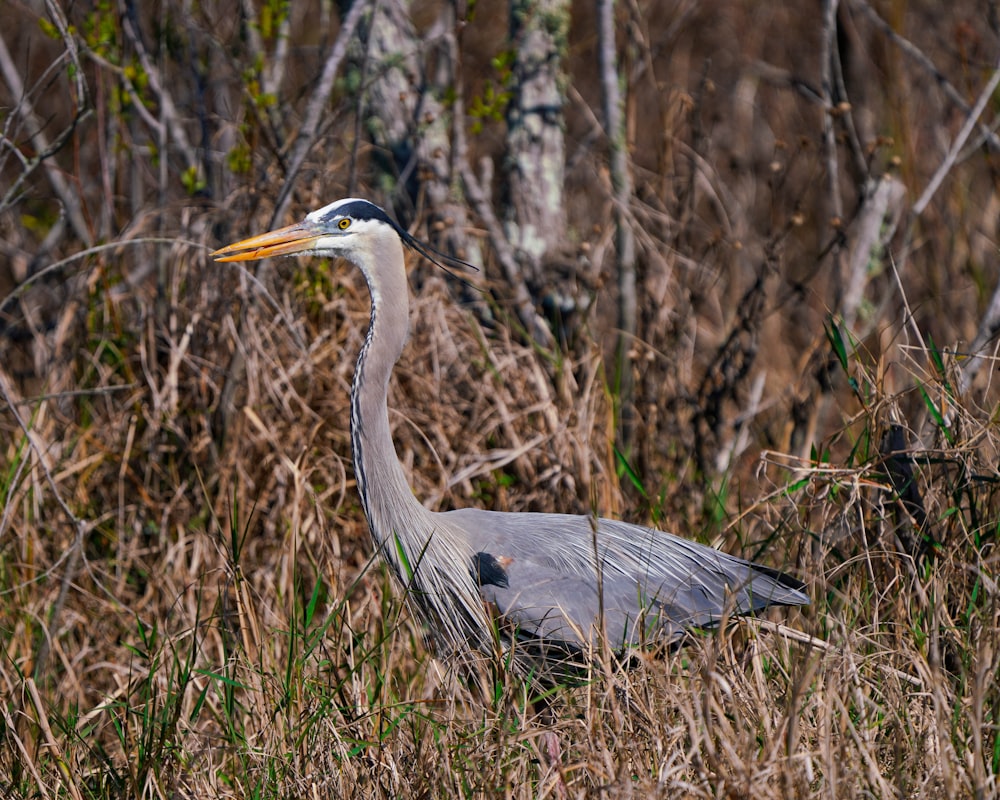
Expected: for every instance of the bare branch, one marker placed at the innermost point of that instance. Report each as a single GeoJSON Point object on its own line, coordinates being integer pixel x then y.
{"type": "Point", "coordinates": [317, 104]}
{"type": "Point", "coordinates": [827, 44]}
{"type": "Point", "coordinates": [168, 111]}
{"type": "Point", "coordinates": [45, 149]}
{"type": "Point", "coordinates": [959, 142]}
{"type": "Point", "coordinates": [533, 323]}
{"type": "Point", "coordinates": [918, 56]}
{"type": "Point", "coordinates": [621, 187]}
{"type": "Point", "coordinates": [989, 329]}
{"type": "Point", "coordinates": [947, 164]}
{"type": "Point", "coordinates": [40, 449]}
{"type": "Point", "coordinates": [872, 231]}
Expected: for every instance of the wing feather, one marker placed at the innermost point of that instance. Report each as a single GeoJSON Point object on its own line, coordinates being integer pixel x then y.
{"type": "Point", "coordinates": [654, 585]}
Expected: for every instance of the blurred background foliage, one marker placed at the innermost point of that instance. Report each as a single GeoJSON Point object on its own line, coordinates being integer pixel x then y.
{"type": "Point", "coordinates": [738, 278]}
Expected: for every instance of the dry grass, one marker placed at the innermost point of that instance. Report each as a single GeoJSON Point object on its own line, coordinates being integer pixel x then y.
{"type": "Point", "coordinates": [189, 607]}
{"type": "Point", "coordinates": [223, 634]}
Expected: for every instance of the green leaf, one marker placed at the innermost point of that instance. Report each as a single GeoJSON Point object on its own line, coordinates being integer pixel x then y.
{"type": "Point", "coordinates": [310, 610]}
{"type": "Point", "coordinates": [624, 468]}
{"type": "Point", "coordinates": [935, 354]}
{"type": "Point", "coordinates": [936, 414]}
{"type": "Point", "coordinates": [225, 679]}
{"type": "Point", "coordinates": [404, 559]}
{"type": "Point", "coordinates": [192, 180]}
{"type": "Point", "coordinates": [836, 340]}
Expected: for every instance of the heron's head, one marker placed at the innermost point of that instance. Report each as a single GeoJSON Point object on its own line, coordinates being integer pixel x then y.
{"type": "Point", "coordinates": [354, 229]}
{"type": "Point", "coordinates": [347, 228]}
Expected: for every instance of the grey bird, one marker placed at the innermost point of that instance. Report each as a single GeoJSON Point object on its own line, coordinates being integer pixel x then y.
{"type": "Point", "coordinates": [541, 589]}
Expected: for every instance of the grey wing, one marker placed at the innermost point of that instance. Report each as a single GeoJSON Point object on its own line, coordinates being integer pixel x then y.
{"type": "Point", "coordinates": [557, 579]}
{"type": "Point", "coordinates": [557, 605]}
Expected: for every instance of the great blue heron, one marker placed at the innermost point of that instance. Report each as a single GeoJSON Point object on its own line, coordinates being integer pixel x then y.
{"type": "Point", "coordinates": [543, 587]}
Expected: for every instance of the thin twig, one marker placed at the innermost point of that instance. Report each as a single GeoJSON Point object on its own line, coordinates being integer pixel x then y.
{"type": "Point", "coordinates": [45, 149]}
{"type": "Point", "coordinates": [621, 187]}
{"type": "Point", "coordinates": [959, 142]}
{"type": "Point", "coordinates": [22, 287]}
{"type": "Point", "coordinates": [27, 761]}
{"type": "Point", "coordinates": [918, 56]}
{"type": "Point", "coordinates": [533, 323]}
{"type": "Point", "coordinates": [154, 125]}
{"type": "Point", "coordinates": [819, 644]}
{"type": "Point", "coordinates": [50, 741]}
{"type": "Point", "coordinates": [845, 114]}
{"type": "Point", "coordinates": [944, 168]}
{"type": "Point", "coordinates": [873, 228]}
{"type": "Point", "coordinates": [827, 40]}
{"type": "Point", "coordinates": [989, 327]}
{"type": "Point", "coordinates": [80, 529]}
{"type": "Point", "coordinates": [317, 105]}
{"type": "Point", "coordinates": [168, 111]}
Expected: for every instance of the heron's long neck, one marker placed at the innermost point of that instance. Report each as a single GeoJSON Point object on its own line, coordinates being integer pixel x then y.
{"type": "Point", "coordinates": [388, 501]}
{"type": "Point", "coordinates": [435, 553]}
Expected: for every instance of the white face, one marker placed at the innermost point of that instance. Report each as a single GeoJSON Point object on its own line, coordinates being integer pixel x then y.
{"type": "Point", "coordinates": [342, 221]}
{"type": "Point", "coordinates": [344, 228]}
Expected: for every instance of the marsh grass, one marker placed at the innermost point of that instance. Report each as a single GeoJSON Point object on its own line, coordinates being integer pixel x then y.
{"type": "Point", "coordinates": [227, 634]}
{"type": "Point", "coordinates": [189, 603]}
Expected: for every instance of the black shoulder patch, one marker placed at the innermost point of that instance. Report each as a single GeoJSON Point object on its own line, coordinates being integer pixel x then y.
{"type": "Point", "coordinates": [487, 570]}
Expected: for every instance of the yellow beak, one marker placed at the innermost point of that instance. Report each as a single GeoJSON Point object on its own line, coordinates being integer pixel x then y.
{"type": "Point", "coordinates": [281, 242]}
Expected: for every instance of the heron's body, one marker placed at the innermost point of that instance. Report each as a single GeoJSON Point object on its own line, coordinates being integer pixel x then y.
{"type": "Point", "coordinates": [546, 585]}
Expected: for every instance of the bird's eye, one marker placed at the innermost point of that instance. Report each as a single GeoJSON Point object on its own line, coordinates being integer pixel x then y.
{"type": "Point", "coordinates": [344, 224]}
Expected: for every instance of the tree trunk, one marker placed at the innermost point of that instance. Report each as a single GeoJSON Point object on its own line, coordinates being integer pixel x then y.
{"type": "Point", "coordinates": [534, 216]}
{"type": "Point", "coordinates": [621, 186]}
{"type": "Point", "coordinates": [405, 117]}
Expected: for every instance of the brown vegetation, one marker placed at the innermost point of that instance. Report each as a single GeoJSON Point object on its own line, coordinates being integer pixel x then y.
{"type": "Point", "coordinates": [189, 607]}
